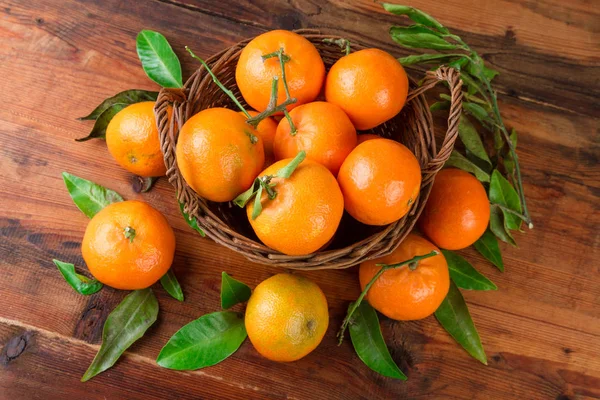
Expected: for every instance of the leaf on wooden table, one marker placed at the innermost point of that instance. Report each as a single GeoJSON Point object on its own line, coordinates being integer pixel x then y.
{"type": "Point", "coordinates": [99, 129]}
{"type": "Point", "coordinates": [470, 138]}
{"type": "Point", "coordinates": [416, 15]}
{"type": "Point", "coordinates": [158, 59]}
{"type": "Point", "coordinates": [126, 324]}
{"type": "Point", "coordinates": [464, 275]}
{"type": "Point", "coordinates": [419, 37]}
{"type": "Point", "coordinates": [141, 184]}
{"type": "Point", "coordinates": [233, 291]}
{"type": "Point", "coordinates": [170, 283]}
{"type": "Point", "coordinates": [454, 316]}
{"type": "Point", "coordinates": [126, 97]}
{"type": "Point", "coordinates": [88, 196]}
{"type": "Point", "coordinates": [81, 284]}
{"type": "Point", "coordinates": [204, 342]}
{"type": "Point", "coordinates": [503, 193]}
{"type": "Point", "coordinates": [368, 342]}
{"type": "Point", "coordinates": [191, 221]}
{"type": "Point", "coordinates": [487, 245]}
{"type": "Point", "coordinates": [457, 160]}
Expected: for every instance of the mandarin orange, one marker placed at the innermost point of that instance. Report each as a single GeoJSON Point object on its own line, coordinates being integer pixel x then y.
{"type": "Point", "coordinates": [412, 291]}
{"type": "Point", "coordinates": [369, 85]}
{"type": "Point", "coordinates": [219, 154]}
{"type": "Point", "coordinates": [128, 245]}
{"type": "Point", "coordinates": [457, 212]}
{"type": "Point", "coordinates": [380, 180]}
{"type": "Point", "coordinates": [323, 131]}
{"type": "Point", "coordinates": [305, 213]}
{"type": "Point", "coordinates": [286, 317]}
{"type": "Point", "coordinates": [304, 71]}
{"type": "Point", "coordinates": [132, 140]}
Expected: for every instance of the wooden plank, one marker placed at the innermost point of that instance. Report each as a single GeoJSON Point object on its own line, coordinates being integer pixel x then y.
{"type": "Point", "coordinates": [540, 329]}
{"type": "Point", "coordinates": [539, 48]}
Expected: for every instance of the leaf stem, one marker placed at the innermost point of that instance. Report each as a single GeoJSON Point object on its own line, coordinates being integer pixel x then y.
{"type": "Point", "coordinates": [129, 233]}
{"type": "Point", "coordinates": [513, 212]}
{"type": "Point", "coordinates": [342, 42]}
{"type": "Point", "coordinates": [264, 183]}
{"type": "Point", "coordinates": [219, 84]}
{"type": "Point", "coordinates": [412, 264]}
{"type": "Point", "coordinates": [273, 108]}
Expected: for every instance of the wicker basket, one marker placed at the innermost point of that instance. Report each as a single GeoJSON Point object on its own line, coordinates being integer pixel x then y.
{"type": "Point", "coordinates": [228, 225]}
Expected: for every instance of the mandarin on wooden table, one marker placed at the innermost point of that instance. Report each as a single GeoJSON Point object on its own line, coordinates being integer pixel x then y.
{"type": "Point", "coordinates": [323, 131]}
{"type": "Point", "coordinates": [219, 154]}
{"type": "Point", "coordinates": [132, 140]}
{"type": "Point", "coordinates": [409, 292]}
{"type": "Point", "coordinates": [286, 317]}
{"type": "Point", "coordinates": [457, 212]}
{"type": "Point", "coordinates": [128, 245]}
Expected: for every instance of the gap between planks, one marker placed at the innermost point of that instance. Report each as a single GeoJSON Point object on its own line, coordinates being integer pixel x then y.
{"type": "Point", "coordinates": [132, 356]}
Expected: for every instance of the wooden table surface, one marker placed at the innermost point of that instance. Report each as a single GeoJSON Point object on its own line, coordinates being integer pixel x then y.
{"type": "Point", "coordinates": [541, 329]}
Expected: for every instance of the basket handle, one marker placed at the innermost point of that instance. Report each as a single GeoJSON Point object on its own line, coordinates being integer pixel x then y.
{"type": "Point", "coordinates": [432, 78]}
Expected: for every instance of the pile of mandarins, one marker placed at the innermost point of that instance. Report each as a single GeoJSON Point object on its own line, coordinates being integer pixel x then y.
{"type": "Point", "coordinates": [376, 180]}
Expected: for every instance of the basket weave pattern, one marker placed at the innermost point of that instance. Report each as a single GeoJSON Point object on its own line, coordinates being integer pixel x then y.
{"type": "Point", "coordinates": [413, 127]}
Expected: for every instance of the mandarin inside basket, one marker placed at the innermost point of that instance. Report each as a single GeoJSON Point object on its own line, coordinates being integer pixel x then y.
{"type": "Point", "coordinates": [354, 242]}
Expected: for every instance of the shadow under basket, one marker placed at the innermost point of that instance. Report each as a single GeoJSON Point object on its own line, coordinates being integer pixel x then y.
{"type": "Point", "coordinates": [354, 242]}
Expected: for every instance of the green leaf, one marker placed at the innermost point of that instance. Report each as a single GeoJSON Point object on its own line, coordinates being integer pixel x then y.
{"type": "Point", "coordinates": [191, 221]}
{"type": "Point", "coordinates": [440, 105]}
{"type": "Point", "coordinates": [368, 342]}
{"type": "Point", "coordinates": [419, 37]}
{"type": "Point", "coordinates": [89, 197]}
{"type": "Point", "coordinates": [99, 128]}
{"type": "Point", "coordinates": [158, 59]}
{"type": "Point", "coordinates": [498, 227]}
{"type": "Point", "coordinates": [478, 69]}
{"type": "Point", "coordinates": [457, 160]}
{"type": "Point", "coordinates": [287, 171]}
{"type": "Point", "coordinates": [459, 63]}
{"type": "Point", "coordinates": [454, 316]}
{"type": "Point", "coordinates": [470, 138]}
{"type": "Point", "coordinates": [171, 285]}
{"type": "Point", "coordinates": [509, 162]}
{"type": "Point", "coordinates": [257, 208]}
{"type": "Point", "coordinates": [503, 193]}
{"type": "Point", "coordinates": [233, 291]}
{"type": "Point", "coordinates": [426, 58]}
{"type": "Point", "coordinates": [126, 324]}
{"type": "Point", "coordinates": [126, 97]}
{"type": "Point", "coordinates": [464, 275]}
{"type": "Point", "coordinates": [478, 112]}
{"type": "Point", "coordinates": [204, 342]}
{"type": "Point", "coordinates": [81, 284]}
{"type": "Point", "coordinates": [416, 15]}
{"type": "Point", "coordinates": [487, 245]}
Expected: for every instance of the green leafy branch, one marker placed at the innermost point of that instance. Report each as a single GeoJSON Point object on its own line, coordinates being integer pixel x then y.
{"type": "Point", "coordinates": [480, 104]}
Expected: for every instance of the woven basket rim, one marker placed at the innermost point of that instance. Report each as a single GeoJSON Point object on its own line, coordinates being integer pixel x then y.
{"type": "Point", "coordinates": [416, 113]}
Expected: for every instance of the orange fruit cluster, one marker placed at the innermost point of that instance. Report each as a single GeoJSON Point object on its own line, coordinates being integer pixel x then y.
{"type": "Point", "coordinates": [224, 156]}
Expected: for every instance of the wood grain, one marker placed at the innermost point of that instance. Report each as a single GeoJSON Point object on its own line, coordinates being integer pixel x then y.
{"type": "Point", "coordinates": [541, 329]}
